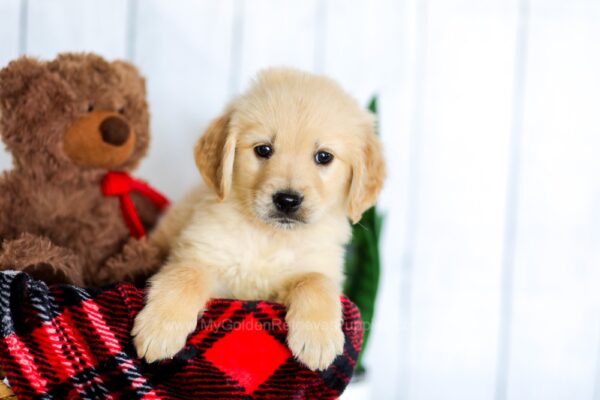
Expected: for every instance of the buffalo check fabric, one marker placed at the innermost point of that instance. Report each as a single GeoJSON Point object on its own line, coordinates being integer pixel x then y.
{"type": "Point", "coordinates": [65, 342]}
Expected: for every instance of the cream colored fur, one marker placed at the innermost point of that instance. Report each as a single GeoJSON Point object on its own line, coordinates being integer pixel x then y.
{"type": "Point", "coordinates": [222, 238]}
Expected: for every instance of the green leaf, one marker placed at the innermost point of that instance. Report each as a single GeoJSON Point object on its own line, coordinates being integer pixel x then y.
{"type": "Point", "coordinates": [363, 263]}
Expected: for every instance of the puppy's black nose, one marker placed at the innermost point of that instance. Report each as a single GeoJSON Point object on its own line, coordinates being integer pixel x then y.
{"type": "Point", "coordinates": [114, 131]}
{"type": "Point", "coordinates": [287, 202]}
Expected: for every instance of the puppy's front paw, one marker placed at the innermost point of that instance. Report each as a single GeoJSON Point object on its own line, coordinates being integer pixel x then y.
{"type": "Point", "coordinates": [157, 337]}
{"type": "Point", "coordinates": [315, 344]}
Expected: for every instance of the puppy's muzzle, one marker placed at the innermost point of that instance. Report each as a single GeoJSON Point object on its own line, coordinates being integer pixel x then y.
{"type": "Point", "coordinates": [287, 202]}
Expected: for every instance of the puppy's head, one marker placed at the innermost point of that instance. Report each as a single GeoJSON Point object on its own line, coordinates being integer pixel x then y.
{"type": "Point", "coordinates": [292, 149]}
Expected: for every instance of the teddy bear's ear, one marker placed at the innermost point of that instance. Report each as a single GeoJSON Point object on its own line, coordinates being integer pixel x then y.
{"type": "Point", "coordinates": [130, 74]}
{"type": "Point", "coordinates": [26, 77]}
{"type": "Point", "coordinates": [30, 96]}
{"type": "Point", "coordinates": [16, 77]}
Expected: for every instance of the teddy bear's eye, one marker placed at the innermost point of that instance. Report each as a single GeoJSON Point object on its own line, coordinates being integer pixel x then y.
{"type": "Point", "coordinates": [90, 107]}
{"type": "Point", "coordinates": [121, 110]}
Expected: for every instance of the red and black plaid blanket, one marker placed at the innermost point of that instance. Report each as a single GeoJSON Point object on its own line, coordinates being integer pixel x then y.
{"type": "Point", "coordinates": [65, 342]}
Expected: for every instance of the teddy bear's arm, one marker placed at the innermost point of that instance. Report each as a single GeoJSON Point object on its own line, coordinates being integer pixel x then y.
{"type": "Point", "coordinates": [24, 251]}
{"type": "Point", "coordinates": [146, 210]}
{"type": "Point", "coordinates": [41, 258]}
{"type": "Point", "coordinates": [6, 207]}
{"type": "Point", "coordinates": [137, 261]}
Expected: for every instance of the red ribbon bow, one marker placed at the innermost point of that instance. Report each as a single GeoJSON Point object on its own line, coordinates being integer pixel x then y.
{"type": "Point", "coordinates": [117, 183]}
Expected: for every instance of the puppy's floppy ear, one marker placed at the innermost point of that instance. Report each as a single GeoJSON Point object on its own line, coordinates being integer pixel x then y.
{"type": "Point", "coordinates": [215, 152]}
{"type": "Point", "coordinates": [368, 174]}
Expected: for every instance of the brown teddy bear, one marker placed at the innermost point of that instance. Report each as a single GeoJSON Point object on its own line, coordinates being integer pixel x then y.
{"type": "Point", "coordinates": [68, 209]}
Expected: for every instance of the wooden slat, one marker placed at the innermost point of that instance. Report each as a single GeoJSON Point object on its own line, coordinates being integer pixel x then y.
{"type": "Point", "coordinates": [184, 48]}
{"type": "Point", "coordinates": [9, 50]}
{"type": "Point", "coordinates": [77, 25]}
{"type": "Point", "coordinates": [9, 30]}
{"type": "Point", "coordinates": [363, 43]}
{"type": "Point", "coordinates": [364, 46]}
{"type": "Point", "coordinates": [277, 33]}
{"type": "Point", "coordinates": [461, 146]}
{"type": "Point", "coordinates": [556, 304]}
{"type": "Point", "coordinates": [596, 395]}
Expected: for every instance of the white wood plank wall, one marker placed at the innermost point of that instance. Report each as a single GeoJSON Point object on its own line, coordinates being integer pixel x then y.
{"type": "Point", "coordinates": [490, 114]}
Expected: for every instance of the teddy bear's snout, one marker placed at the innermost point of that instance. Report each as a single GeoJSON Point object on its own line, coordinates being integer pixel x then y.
{"type": "Point", "coordinates": [100, 139]}
{"type": "Point", "coordinates": [115, 131]}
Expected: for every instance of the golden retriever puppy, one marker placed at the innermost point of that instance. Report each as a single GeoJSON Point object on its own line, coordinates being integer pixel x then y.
{"type": "Point", "coordinates": [285, 166]}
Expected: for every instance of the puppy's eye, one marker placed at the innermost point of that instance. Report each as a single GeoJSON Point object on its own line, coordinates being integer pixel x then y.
{"type": "Point", "coordinates": [263, 151]}
{"type": "Point", "coordinates": [90, 107]}
{"type": "Point", "coordinates": [323, 157]}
